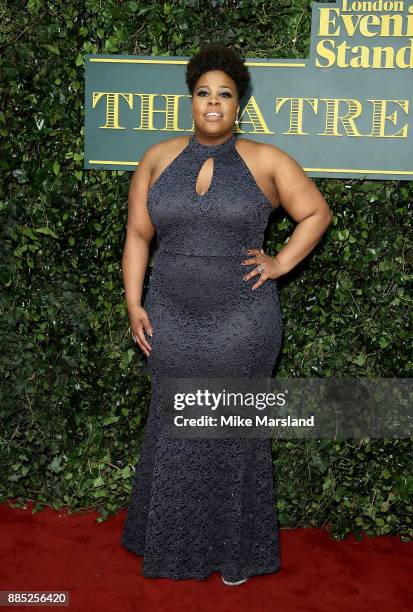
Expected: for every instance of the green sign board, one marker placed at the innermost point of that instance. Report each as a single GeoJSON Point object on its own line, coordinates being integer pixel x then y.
{"type": "Point", "coordinates": [344, 112]}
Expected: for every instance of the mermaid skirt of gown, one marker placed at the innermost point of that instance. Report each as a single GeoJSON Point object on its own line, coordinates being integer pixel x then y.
{"type": "Point", "coordinates": [199, 505]}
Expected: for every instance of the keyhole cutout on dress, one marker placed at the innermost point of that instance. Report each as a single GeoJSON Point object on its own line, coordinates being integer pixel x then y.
{"type": "Point", "coordinates": [204, 178]}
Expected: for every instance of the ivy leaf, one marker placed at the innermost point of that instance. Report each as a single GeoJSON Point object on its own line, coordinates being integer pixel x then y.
{"type": "Point", "coordinates": [360, 359]}
{"type": "Point", "coordinates": [110, 420]}
{"type": "Point", "coordinates": [51, 48]}
{"type": "Point", "coordinates": [55, 466]}
{"type": "Point", "coordinates": [98, 482]}
{"type": "Point", "coordinates": [45, 230]}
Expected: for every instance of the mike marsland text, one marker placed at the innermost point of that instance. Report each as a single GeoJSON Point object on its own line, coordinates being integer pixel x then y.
{"type": "Point", "coordinates": [239, 421]}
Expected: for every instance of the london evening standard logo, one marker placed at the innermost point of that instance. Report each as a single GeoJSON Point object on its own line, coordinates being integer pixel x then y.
{"type": "Point", "coordinates": [362, 35]}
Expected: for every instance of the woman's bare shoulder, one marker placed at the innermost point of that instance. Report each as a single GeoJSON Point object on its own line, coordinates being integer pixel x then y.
{"type": "Point", "coordinates": [166, 148]}
{"type": "Point", "coordinates": [272, 159]}
{"type": "Point", "coordinates": [260, 148]}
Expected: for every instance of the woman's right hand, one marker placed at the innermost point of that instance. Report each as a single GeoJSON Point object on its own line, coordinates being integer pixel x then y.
{"type": "Point", "coordinates": [139, 322]}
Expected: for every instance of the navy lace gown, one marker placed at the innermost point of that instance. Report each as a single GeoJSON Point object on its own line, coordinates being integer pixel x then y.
{"type": "Point", "coordinates": [200, 505]}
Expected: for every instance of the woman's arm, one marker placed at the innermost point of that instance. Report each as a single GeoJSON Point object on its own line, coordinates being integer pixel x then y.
{"type": "Point", "coordinates": [139, 234]}
{"type": "Point", "coordinates": [303, 201]}
{"type": "Point", "coordinates": [305, 204]}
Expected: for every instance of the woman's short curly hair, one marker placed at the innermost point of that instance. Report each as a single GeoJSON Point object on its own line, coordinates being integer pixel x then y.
{"type": "Point", "coordinates": [216, 56]}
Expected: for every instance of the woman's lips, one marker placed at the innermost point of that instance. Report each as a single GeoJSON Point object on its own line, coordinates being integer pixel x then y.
{"type": "Point", "coordinates": [213, 117]}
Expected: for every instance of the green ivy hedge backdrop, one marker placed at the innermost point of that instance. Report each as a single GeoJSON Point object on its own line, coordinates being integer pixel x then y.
{"type": "Point", "coordinates": [75, 392]}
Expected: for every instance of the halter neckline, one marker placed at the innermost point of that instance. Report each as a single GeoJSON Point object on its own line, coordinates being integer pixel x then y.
{"type": "Point", "coordinates": [210, 150]}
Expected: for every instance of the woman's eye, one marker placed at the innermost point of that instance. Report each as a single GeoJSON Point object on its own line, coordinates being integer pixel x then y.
{"type": "Point", "coordinates": [224, 93]}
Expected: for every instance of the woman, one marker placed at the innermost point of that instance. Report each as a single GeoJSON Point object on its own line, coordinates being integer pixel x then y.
{"type": "Point", "coordinates": [199, 505]}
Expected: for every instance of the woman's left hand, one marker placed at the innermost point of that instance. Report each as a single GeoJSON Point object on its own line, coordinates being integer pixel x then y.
{"type": "Point", "coordinates": [271, 268]}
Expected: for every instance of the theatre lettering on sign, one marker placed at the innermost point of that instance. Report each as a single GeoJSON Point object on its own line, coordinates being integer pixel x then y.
{"type": "Point", "coordinates": [344, 112]}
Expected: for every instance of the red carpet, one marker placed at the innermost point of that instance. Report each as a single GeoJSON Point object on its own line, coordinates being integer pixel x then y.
{"type": "Point", "coordinates": [53, 550]}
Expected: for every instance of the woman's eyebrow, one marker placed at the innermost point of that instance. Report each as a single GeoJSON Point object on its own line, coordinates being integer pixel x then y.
{"type": "Point", "coordinates": [227, 86]}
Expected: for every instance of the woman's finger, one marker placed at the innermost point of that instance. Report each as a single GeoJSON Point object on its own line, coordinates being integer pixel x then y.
{"type": "Point", "coordinates": [143, 343]}
{"type": "Point", "coordinates": [252, 260]}
{"type": "Point", "coordinates": [263, 277]}
{"type": "Point", "coordinates": [253, 273]}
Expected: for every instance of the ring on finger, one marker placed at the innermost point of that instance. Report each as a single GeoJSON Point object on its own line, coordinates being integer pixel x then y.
{"type": "Point", "coordinates": [260, 268]}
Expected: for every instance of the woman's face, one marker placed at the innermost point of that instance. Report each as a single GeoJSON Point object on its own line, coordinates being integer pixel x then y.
{"type": "Point", "coordinates": [215, 92]}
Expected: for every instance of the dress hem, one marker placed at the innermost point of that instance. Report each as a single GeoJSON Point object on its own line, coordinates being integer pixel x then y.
{"type": "Point", "coordinates": [252, 571]}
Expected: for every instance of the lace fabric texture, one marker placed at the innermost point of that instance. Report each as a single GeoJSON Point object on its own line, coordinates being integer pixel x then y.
{"type": "Point", "coordinates": [200, 505]}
